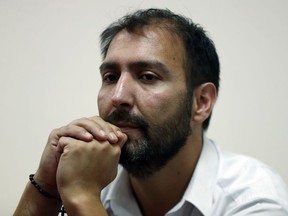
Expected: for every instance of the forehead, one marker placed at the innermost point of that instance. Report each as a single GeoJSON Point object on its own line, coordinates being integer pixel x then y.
{"type": "Point", "coordinates": [152, 42]}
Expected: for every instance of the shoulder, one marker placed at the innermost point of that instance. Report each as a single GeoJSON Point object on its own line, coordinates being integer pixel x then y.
{"type": "Point", "coordinates": [245, 181]}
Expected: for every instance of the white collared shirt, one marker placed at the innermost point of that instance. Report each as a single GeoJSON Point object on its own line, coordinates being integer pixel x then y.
{"type": "Point", "coordinates": [223, 184]}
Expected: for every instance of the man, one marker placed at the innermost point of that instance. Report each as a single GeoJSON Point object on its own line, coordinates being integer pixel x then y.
{"type": "Point", "coordinates": [160, 78]}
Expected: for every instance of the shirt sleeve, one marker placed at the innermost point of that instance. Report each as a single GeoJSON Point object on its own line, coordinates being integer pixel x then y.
{"type": "Point", "coordinates": [264, 207]}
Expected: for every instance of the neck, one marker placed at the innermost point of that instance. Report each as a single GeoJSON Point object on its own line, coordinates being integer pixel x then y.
{"type": "Point", "coordinates": [160, 192]}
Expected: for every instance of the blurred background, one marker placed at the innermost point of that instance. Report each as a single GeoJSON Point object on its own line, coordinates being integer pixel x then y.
{"type": "Point", "coordinates": [49, 59]}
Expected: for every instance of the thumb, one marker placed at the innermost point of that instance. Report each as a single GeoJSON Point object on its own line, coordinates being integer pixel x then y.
{"type": "Point", "coordinates": [122, 138]}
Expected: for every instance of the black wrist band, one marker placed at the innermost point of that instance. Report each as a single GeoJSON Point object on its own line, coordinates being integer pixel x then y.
{"type": "Point", "coordinates": [37, 186]}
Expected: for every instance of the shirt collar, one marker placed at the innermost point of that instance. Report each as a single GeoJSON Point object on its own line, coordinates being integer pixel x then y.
{"type": "Point", "coordinates": [200, 189]}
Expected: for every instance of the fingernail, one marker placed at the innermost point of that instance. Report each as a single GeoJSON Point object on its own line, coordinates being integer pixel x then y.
{"type": "Point", "coordinates": [119, 133]}
{"type": "Point", "coordinates": [102, 133]}
{"type": "Point", "coordinates": [87, 134]}
{"type": "Point", "coordinates": [113, 137]}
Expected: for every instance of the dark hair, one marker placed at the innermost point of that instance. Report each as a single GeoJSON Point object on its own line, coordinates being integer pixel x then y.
{"type": "Point", "coordinates": [201, 59]}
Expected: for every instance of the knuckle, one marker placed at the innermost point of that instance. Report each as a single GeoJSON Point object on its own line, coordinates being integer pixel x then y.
{"type": "Point", "coordinates": [117, 151]}
{"type": "Point", "coordinates": [94, 118]}
{"type": "Point", "coordinates": [62, 140]}
{"type": "Point", "coordinates": [78, 121]}
{"type": "Point", "coordinates": [67, 127]}
{"type": "Point", "coordinates": [114, 127]}
{"type": "Point", "coordinates": [106, 146]}
{"type": "Point", "coordinates": [54, 133]}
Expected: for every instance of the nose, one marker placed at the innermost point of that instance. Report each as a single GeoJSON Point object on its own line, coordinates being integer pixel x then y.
{"type": "Point", "coordinates": [123, 96]}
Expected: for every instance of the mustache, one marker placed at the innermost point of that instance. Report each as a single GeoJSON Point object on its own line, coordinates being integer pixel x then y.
{"type": "Point", "coordinates": [126, 116]}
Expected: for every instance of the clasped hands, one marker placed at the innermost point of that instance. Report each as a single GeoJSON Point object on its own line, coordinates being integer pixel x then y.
{"type": "Point", "coordinates": [80, 159]}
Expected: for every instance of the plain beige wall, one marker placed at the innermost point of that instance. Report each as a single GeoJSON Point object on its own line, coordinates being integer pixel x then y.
{"type": "Point", "coordinates": [49, 60]}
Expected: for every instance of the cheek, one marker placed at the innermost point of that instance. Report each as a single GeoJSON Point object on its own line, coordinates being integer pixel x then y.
{"type": "Point", "coordinates": [103, 103]}
{"type": "Point", "coordinates": [156, 106]}
{"type": "Point", "coordinates": [162, 105]}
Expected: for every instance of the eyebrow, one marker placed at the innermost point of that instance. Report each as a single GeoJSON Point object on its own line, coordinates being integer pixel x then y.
{"type": "Point", "coordinates": [108, 66]}
{"type": "Point", "coordinates": [149, 64]}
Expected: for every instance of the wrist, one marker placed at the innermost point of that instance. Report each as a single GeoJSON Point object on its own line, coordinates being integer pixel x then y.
{"type": "Point", "coordinates": [41, 190]}
{"type": "Point", "coordinates": [84, 204]}
{"type": "Point", "coordinates": [48, 188]}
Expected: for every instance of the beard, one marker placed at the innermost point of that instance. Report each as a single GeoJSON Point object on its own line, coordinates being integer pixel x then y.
{"type": "Point", "coordinates": [141, 157]}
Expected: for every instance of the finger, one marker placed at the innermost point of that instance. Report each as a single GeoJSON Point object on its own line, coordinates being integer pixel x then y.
{"type": "Point", "coordinates": [100, 129]}
{"type": "Point", "coordinates": [74, 131]}
{"type": "Point", "coordinates": [109, 129]}
{"type": "Point", "coordinates": [66, 144]}
{"type": "Point", "coordinates": [63, 144]}
{"type": "Point", "coordinates": [122, 139]}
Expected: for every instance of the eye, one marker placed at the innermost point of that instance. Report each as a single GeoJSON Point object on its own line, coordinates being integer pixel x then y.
{"type": "Point", "coordinates": [110, 77]}
{"type": "Point", "coordinates": [149, 77]}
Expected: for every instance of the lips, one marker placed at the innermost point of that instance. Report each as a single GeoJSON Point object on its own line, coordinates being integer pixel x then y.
{"type": "Point", "coordinates": [126, 126]}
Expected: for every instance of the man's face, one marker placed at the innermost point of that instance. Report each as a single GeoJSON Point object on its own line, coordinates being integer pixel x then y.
{"type": "Point", "coordinates": [144, 93]}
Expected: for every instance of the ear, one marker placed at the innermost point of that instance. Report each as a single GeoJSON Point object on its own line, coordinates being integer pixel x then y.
{"type": "Point", "coordinates": [204, 98]}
